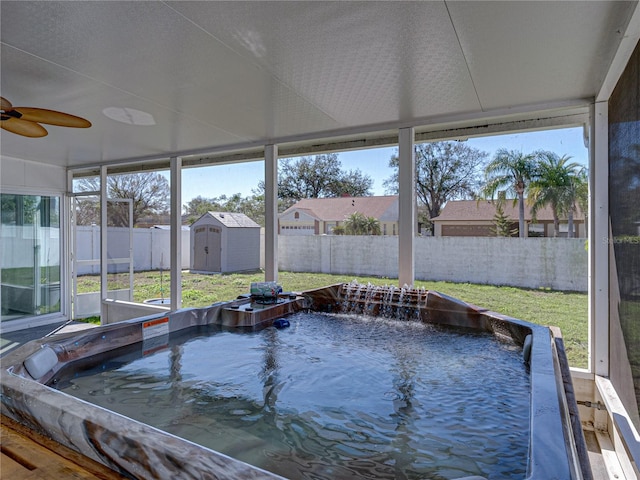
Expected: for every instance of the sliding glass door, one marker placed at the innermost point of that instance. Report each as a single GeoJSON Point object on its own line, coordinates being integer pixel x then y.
{"type": "Point", "coordinates": [30, 247]}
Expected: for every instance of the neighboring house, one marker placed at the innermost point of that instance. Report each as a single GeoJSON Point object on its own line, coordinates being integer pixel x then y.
{"type": "Point", "coordinates": [318, 216]}
{"type": "Point", "coordinates": [225, 242]}
{"type": "Point", "coordinates": [470, 218]}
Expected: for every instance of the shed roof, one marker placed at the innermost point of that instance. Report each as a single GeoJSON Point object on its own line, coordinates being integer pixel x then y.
{"type": "Point", "coordinates": [469, 210]}
{"type": "Point", "coordinates": [337, 208]}
{"type": "Point", "coordinates": [231, 219]}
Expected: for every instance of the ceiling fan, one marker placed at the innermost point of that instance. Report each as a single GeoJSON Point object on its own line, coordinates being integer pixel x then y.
{"type": "Point", "coordinates": [26, 120]}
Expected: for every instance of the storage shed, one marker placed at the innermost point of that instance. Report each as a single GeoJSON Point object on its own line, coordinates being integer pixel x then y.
{"type": "Point", "coordinates": [225, 242]}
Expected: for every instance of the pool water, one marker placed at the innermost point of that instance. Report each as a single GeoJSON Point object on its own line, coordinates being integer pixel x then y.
{"type": "Point", "coordinates": [331, 397]}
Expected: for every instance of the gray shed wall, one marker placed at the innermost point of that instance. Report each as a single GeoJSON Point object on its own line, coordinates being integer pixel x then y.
{"type": "Point", "coordinates": [240, 249]}
{"type": "Point", "coordinates": [240, 246]}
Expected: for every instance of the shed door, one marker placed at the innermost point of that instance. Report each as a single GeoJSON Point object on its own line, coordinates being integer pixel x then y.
{"type": "Point", "coordinates": [207, 245]}
{"type": "Point", "coordinates": [215, 249]}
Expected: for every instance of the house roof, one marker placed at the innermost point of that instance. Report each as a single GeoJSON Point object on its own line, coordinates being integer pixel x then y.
{"type": "Point", "coordinates": [307, 211]}
{"type": "Point", "coordinates": [336, 209]}
{"type": "Point", "coordinates": [231, 219]}
{"type": "Point", "coordinates": [468, 210]}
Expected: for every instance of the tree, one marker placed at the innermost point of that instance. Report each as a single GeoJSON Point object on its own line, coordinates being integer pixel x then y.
{"type": "Point", "coordinates": [511, 171]}
{"type": "Point", "coordinates": [252, 206]}
{"type": "Point", "coordinates": [149, 193]}
{"type": "Point", "coordinates": [502, 225]}
{"type": "Point", "coordinates": [373, 226]}
{"type": "Point", "coordinates": [87, 210]}
{"type": "Point", "coordinates": [318, 177]}
{"type": "Point", "coordinates": [353, 183]}
{"type": "Point", "coordinates": [198, 206]}
{"type": "Point", "coordinates": [444, 171]}
{"type": "Point", "coordinates": [359, 224]}
{"type": "Point", "coordinates": [558, 184]}
{"type": "Point", "coordinates": [580, 191]}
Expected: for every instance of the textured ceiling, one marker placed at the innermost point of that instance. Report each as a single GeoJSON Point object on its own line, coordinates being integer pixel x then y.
{"type": "Point", "coordinates": [238, 74]}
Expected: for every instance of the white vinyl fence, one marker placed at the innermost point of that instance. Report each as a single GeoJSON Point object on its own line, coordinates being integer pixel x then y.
{"type": "Point", "coordinates": [555, 263]}
{"type": "Point", "coordinates": [151, 248]}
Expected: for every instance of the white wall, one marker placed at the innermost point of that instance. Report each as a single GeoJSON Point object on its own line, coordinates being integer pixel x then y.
{"type": "Point", "coordinates": [22, 174]}
{"type": "Point", "coordinates": [30, 178]}
{"type": "Point", "coordinates": [556, 263]}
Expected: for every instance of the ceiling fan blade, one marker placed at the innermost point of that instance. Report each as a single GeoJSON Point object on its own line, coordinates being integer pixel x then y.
{"type": "Point", "coordinates": [51, 117]}
{"type": "Point", "coordinates": [23, 127]}
{"type": "Point", "coordinates": [5, 104]}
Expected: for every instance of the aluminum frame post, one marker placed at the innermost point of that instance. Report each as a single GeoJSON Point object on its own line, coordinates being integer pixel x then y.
{"type": "Point", "coordinates": [175, 247]}
{"type": "Point", "coordinates": [271, 213]}
{"type": "Point", "coordinates": [407, 206]}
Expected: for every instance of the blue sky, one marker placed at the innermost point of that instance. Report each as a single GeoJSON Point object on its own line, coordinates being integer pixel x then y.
{"type": "Point", "coordinates": [243, 177]}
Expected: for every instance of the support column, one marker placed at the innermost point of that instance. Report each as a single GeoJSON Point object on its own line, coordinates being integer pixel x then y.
{"type": "Point", "coordinates": [271, 213]}
{"type": "Point", "coordinates": [67, 270]}
{"type": "Point", "coordinates": [104, 265]}
{"type": "Point", "coordinates": [175, 248]}
{"type": "Point", "coordinates": [599, 239]}
{"type": "Point", "coordinates": [407, 207]}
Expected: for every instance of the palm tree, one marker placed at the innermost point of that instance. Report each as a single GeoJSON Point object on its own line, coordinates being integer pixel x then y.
{"type": "Point", "coordinates": [338, 230]}
{"type": "Point", "coordinates": [558, 184]}
{"type": "Point", "coordinates": [359, 224]}
{"type": "Point", "coordinates": [355, 224]}
{"type": "Point", "coordinates": [373, 226]}
{"type": "Point", "coordinates": [510, 171]}
{"type": "Point", "coordinates": [579, 191]}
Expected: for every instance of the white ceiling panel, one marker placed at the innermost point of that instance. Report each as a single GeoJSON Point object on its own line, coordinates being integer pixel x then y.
{"type": "Point", "coordinates": [528, 52]}
{"type": "Point", "coordinates": [387, 59]}
{"type": "Point", "coordinates": [223, 75]}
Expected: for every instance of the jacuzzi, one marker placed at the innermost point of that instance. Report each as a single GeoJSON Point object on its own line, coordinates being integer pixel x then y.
{"type": "Point", "coordinates": [138, 450]}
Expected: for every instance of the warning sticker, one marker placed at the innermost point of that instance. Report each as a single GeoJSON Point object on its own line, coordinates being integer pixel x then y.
{"type": "Point", "coordinates": [155, 328]}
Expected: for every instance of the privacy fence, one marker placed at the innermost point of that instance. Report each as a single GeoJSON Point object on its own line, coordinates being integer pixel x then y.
{"type": "Point", "coordinates": [555, 263]}
{"type": "Point", "coordinates": [150, 248]}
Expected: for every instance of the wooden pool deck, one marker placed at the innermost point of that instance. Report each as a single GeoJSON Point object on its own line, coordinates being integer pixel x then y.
{"type": "Point", "coordinates": [27, 455]}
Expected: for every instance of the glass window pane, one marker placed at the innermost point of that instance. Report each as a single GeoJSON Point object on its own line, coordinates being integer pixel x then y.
{"type": "Point", "coordinates": [30, 255]}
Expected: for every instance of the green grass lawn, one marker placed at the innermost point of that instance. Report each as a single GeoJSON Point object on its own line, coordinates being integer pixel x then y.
{"type": "Point", "coordinates": [566, 310]}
